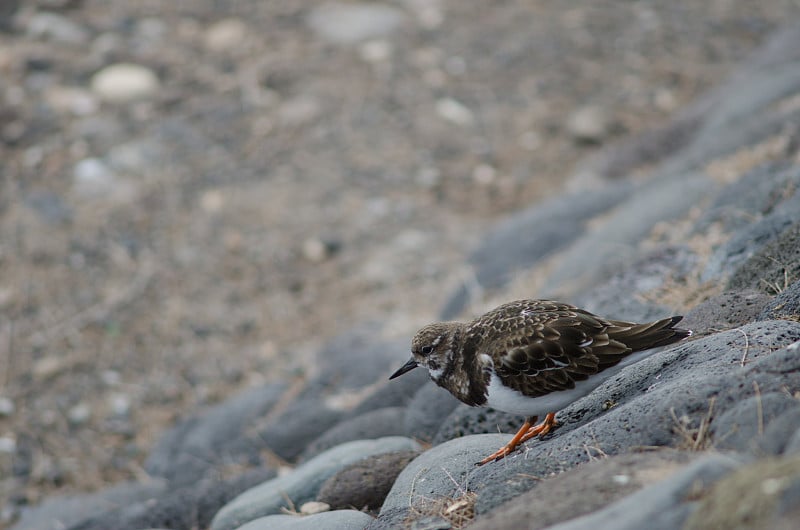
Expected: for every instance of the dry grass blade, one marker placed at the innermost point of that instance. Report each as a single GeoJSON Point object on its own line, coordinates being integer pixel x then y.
{"type": "Point", "coordinates": [459, 511]}
{"type": "Point", "coordinates": [694, 439]}
{"type": "Point", "coordinates": [746, 347]}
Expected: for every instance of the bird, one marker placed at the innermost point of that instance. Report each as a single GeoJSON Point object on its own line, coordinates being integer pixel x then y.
{"type": "Point", "coordinates": [532, 358]}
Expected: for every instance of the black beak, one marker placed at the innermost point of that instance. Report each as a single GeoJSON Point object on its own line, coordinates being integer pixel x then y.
{"type": "Point", "coordinates": [410, 365]}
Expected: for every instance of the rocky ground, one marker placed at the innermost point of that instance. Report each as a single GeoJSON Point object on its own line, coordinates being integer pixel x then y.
{"type": "Point", "coordinates": [220, 222]}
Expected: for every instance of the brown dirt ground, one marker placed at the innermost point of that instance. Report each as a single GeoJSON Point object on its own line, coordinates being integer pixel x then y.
{"type": "Point", "coordinates": [190, 281]}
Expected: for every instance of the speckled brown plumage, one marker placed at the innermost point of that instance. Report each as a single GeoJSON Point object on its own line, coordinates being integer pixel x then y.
{"type": "Point", "coordinates": [518, 354]}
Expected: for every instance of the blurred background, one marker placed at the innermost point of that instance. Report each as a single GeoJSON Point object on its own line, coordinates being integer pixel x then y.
{"type": "Point", "coordinates": [195, 195]}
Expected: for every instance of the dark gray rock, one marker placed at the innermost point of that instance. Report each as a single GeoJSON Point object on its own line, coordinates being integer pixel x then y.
{"type": "Point", "coordinates": [347, 364]}
{"type": "Point", "coordinates": [660, 506]}
{"type": "Point", "coordinates": [365, 484]}
{"type": "Point", "coordinates": [749, 240]}
{"type": "Point", "coordinates": [624, 295]}
{"type": "Point", "coordinates": [465, 420]}
{"type": "Point", "coordinates": [357, 356]}
{"type": "Point", "coordinates": [781, 433]}
{"type": "Point", "coordinates": [336, 520]}
{"type": "Point", "coordinates": [301, 422]}
{"type": "Point", "coordinates": [762, 494]}
{"type": "Point", "coordinates": [367, 426]}
{"type": "Point", "coordinates": [182, 508]}
{"type": "Point", "coordinates": [741, 427]}
{"type": "Point", "coordinates": [58, 512]}
{"type": "Point", "coordinates": [725, 311]}
{"type": "Point", "coordinates": [397, 392]}
{"type": "Point", "coordinates": [424, 414]}
{"type": "Point", "coordinates": [609, 246]}
{"type": "Point", "coordinates": [753, 196]}
{"type": "Point", "coordinates": [785, 306]}
{"type": "Point", "coordinates": [441, 472]}
{"type": "Point", "coordinates": [303, 483]}
{"type": "Point", "coordinates": [200, 444]}
{"type": "Point", "coordinates": [529, 236]}
{"type": "Point", "coordinates": [773, 267]}
{"type": "Point", "coordinates": [583, 490]}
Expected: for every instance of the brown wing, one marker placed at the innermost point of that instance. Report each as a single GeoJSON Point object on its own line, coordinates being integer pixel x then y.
{"type": "Point", "coordinates": [550, 345]}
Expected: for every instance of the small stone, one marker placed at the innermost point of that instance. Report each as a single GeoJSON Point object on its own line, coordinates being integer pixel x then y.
{"type": "Point", "coordinates": [299, 111]}
{"type": "Point", "coordinates": [454, 112]}
{"type": "Point", "coordinates": [124, 82]}
{"type": "Point", "coordinates": [315, 250]}
{"type": "Point", "coordinates": [93, 178]}
{"type": "Point", "coordinates": [589, 124]}
{"type": "Point", "coordinates": [375, 51]}
{"type": "Point", "coordinates": [48, 367]}
{"type": "Point", "coordinates": [484, 174]}
{"type": "Point", "coordinates": [79, 414]}
{"type": "Point", "coordinates": [120, 405]}
{"type": "Point", "coordinates": [8, 445]}
{"type": "Point", "coordinates": [354, 22]}
{"type": "Point", "coordinates": [110, 377]}
{"type": "Point", "coordinates": [225, 35]}
{"type": "Point", "coordinates": [56, 28]}
{"type": "Point", "coordinates": [429, 177]}
{"type": "Point", "coordinates": [6, 407]}
{"type": "Point", "coordinates": [530, 140]}
{"type": "Point", "coordinates": [312, 507]}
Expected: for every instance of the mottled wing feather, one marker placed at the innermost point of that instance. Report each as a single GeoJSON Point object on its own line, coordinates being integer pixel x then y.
{"type": "Point", "coordinates": [549, 345]}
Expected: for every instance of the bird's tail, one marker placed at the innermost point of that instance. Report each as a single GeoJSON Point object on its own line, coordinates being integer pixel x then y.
{"type": "Point", "coordinates": [649, 335]}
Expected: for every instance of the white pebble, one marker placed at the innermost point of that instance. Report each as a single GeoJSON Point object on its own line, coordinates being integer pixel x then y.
{"type": "Point", "coordinates": [120, 405]}
{"type": "Point", "coordinates": [79, 414]}
{"type": "Point", "coordinates": [124, 82]}
{"type": "Point", "coordinates": [225, 35]}
{"type": "Point", "coordinates": [589, 124]}
{"type": "Point", "coordinates": [312, 507]}
{"type": "Point", "coordinates": [8, 445]}
{"type": "Point", "coordinates": [6, 407]}
{"type": "Point", "coordinates": [455, 112]}
{"type": "Point", "coordinates": [353, 22]}
{"type": "Point", "coordinates": [315, 250]}
{"type": "Point", "coordinates": [93, 178]}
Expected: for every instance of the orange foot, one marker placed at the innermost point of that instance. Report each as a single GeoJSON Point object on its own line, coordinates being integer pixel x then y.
{"type": "Point", "coordinates": [525, 433]}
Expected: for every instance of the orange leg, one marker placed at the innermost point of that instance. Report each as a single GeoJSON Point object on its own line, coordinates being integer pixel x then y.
{"type": "Point", "coordinates": [525, 433]}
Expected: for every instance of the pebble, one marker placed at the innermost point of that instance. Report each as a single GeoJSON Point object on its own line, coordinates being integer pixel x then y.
{"type": "Point", "coordinates": [93, 178]}
{"type": "Point", "coordinates": [120, 405]}
{"type": "Point", "coordinates": [312, 507]}
{"type": "Point", "coordinates": [56, 28]}
{"type": "Point", "coordinates": [589, 124]}
{"type": "Point", "coordinates": [7, 407]}
{"type": "Point", "coordinates": [299, 111]}
{"type": "Point", "coordinates": [225, 35]}
{"type": "Point", "coordinates": [8, 445]}
{"type": "Point", "coordinates": [124, 82]}
{"type": "Point", "coordinates": [315, 250]}
{"type": "Point", "coordinates": [375, 51]}
{"type": "Point", "coordinates": [454, 112]}
{"type": "Point", "coordinates": [48, 367]}
{"type": "Point", "coordinates": [79, 414]}
{"type": "Point", "coordinates": [351, 23]}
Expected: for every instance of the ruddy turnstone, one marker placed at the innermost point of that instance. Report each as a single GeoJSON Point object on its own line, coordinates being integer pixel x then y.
{"type": "Point", "coordinates": [532, 357]}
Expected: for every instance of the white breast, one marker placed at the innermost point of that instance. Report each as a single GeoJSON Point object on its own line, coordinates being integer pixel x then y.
{"type": "Point", "coordinates": [503, 398]}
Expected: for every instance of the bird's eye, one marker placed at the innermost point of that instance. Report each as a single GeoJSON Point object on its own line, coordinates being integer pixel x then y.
{"type": "Point", "coordinates": [426, 350]}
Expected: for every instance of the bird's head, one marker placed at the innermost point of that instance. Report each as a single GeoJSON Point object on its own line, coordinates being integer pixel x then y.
{"type": "Point", "coordinates": [432, 347]}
